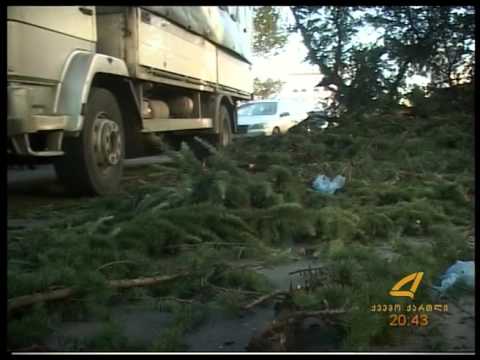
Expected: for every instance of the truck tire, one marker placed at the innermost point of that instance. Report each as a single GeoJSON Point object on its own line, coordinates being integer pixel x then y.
{"type": "Point", "coordinates": [225, 136]}
{"type": "Point", "coordinates": [93, 161]}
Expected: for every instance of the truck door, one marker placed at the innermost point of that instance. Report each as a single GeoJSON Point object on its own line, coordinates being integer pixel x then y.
{"type": "Point", "coordinates": [40, 38]}
{"type": "Point", "coordinates": [76, 21]}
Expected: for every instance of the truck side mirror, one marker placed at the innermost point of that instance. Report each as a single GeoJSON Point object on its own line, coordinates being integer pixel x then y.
{"type": "Point", "coordinates": [85, 10]}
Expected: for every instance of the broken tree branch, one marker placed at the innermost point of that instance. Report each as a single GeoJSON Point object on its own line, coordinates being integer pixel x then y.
{"type": "Point", "coordinates": [171, 298]}
{"type": "Point", "coordinates": [26, 300]}
{"type": "Point", "coordinates": [240, 291]}
{"type": "Point", "coordinates": [264, 298]}
{"type": "Point", "coordinates": [22, 301]}
{"type": "Point", "coordinates": [128, 283]}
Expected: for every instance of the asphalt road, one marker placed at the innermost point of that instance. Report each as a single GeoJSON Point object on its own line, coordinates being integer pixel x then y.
{"type": "Point", "coordinates": [28, 189]}
{"type": "Point", "coordinates": [46, 173]}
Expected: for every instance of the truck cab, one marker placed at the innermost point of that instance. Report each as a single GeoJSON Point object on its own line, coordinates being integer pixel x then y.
{"type": "Point", "coordinates": [87, 85]}
{"type": "Point", "coordinates": [41, 41]}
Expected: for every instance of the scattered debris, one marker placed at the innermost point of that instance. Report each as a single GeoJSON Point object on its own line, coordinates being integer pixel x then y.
{"type": "Point", "coordinates": [323, 184]}
{"type": "Point", "coordinates": [281, 335]}
{"type": "Point", "coordinates": [460, 273]}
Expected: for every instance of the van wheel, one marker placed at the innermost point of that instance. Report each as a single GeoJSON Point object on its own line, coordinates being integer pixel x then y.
{"type": "Point", "coordinates": [93, 162]}
{"type": "Point", "coordinates": [225, 137]}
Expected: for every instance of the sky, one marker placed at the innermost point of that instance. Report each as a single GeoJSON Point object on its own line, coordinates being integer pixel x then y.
{"type": "Point", "coordinates": [291, 58]}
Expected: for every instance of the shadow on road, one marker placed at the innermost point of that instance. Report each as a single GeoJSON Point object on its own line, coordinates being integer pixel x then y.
{"type": "Point", "coordinates": [28, 188]}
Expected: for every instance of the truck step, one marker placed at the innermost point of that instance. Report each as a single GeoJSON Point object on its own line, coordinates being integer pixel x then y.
{"type": "Point", "coordinates": [171, 124]}
{"type": "Point", "coordinates": [47, 153]}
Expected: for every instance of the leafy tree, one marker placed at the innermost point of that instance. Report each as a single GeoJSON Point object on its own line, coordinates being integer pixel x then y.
{"type": "Point", "coordinates": [455, 35]}
{"type": "Point", "coordinates": [328, 33]}
{"type": "Point", "coordinates": [267, 88]}
{"type": "Point", "coordinates": [426, 39]}
{"type": "Point", "coordinates": [422, 40]}
{"type": "Point", "coordinates": [408, 36]}
{"type": "Point", "coordinates": [269, 35]}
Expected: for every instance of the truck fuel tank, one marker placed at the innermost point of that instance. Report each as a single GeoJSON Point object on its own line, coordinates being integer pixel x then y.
{"type": "Point", "coordinates": [181, 107]}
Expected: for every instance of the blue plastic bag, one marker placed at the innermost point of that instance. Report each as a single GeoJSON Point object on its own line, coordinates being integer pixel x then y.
{"type": "Point", "coordinates": [324, 185]}
{"type": "Point", "coordinates": [461, 273]}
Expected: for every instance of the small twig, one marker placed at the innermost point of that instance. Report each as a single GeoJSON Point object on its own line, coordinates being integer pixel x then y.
{"type": "Point", "coordinates": [16, 261]}
{"type": "Point", "coordinates": [31, 348]}
{"type": "Point", "coordinates": [241, 291]}
{"type": "Point", "coordinates": [114, 263]}
{"type": "Point", "coordinates": [99, 222]}
{"type": "Point", "coordinates": [185, 301]}
{"type": "Point", "coordinates": [319, 313]}
{"type": "Point", "coordinates": [213, 243]}
{"type": "Point", "coordinates": [128, 178]}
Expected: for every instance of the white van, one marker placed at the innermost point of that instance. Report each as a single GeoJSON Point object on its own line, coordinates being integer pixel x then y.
{"type": "Point", "coordinates": [270, 117]}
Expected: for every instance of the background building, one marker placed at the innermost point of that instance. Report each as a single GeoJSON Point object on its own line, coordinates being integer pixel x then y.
{"type": "Point", "coordinates": [302, 87]}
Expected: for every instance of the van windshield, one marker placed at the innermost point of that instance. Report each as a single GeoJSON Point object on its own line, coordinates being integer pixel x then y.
{"type": "Point", "coordinates": [258, 109]}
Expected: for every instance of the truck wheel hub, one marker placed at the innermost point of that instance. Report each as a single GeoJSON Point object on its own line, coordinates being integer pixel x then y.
{"type": "Point", "coordinates": [107, 141]}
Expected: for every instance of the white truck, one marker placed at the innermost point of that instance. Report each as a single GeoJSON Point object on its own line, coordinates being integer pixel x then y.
{"type": "Point", "coordinates": [89, 85]}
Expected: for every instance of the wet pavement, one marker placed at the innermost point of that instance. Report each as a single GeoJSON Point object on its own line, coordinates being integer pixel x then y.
{"type": "Point", "coordinates": [220, 332]}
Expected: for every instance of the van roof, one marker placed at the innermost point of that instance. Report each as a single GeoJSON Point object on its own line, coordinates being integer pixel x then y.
{"type": "Point", "coordinates": [272, 100]}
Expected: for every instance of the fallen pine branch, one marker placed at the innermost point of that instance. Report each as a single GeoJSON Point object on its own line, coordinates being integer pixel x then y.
{"type": "Point", "coordinates": [26, 300]}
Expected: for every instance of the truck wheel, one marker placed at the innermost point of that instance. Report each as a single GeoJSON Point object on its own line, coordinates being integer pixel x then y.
{"type": "Point", "coordinates": [225, 137]}
{"type": "Point", "coordinates": [276, 131]}
{"type": "Point", "coordinates": [93, 162]}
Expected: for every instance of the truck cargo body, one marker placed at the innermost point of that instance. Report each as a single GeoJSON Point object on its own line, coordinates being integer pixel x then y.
{"type": "Point", "coordinates": [159, 69]}
{"type": "Point", "coordinates": [156, 48]}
